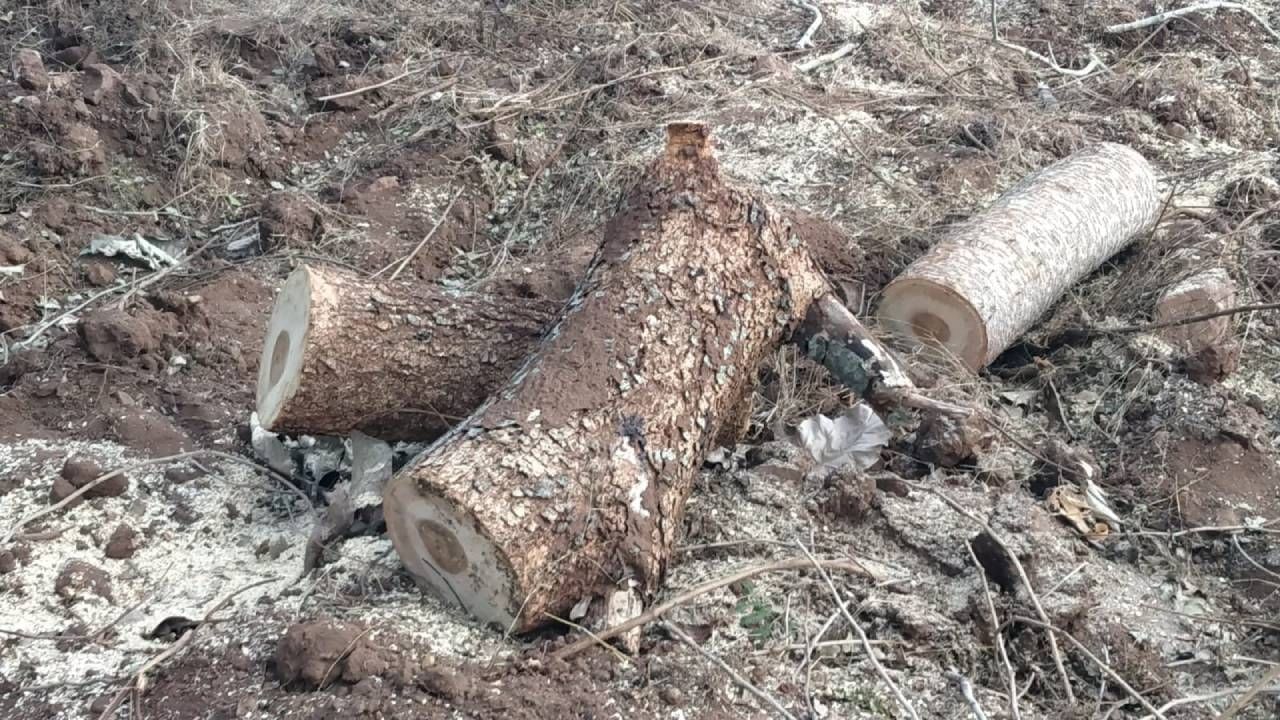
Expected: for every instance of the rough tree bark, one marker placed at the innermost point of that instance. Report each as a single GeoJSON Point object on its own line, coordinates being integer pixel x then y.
{"type": "Point", "coordinates": [391, 359]}
{"type": "Point", "coordinates": [343, 353]}
{"type": "Point", "coordinates": [992, 276]}
{"type": "Point", "coordinates": [573, 478]}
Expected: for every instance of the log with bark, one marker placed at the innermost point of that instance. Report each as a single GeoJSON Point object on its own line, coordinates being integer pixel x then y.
{"type": "Point", "coordinates": [397, 360]}
{"type": "Point", "coordinates": [572, 478]}
{"type": "Point", "coordinates": [991, 277]}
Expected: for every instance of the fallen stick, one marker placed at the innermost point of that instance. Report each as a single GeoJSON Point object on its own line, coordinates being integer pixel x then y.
{"type": "Point", "coordinates": [1094, 62]}
{"type": "Point", "coordinates": [1163, 17]}
{"type": "Point", "coordinates": [367, 88]}
{"type": "Point", "coordinates": [740, 681]}
{"type": "Point", "coordinates": [577, 471]}
{"type": "Point", "coordinates": [992, 276]}
{"type": "Point", "coordinates": [806, 40]}
{"type": "Point", "coordinates": [697, 591]}
{"type": "Point", "coordinates": [816, 62]}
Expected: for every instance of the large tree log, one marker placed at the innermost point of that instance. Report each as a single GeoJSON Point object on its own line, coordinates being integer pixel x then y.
{"type": "Point", "coordinates": [398, 360]}
{"type": "Point", "coordinates": [991, 277]}
{"type": "Point", "coordinates": [573, 478]}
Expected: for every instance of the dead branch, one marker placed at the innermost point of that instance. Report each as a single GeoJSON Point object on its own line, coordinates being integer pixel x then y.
{"type": "Point", "coordinates": [400, 266]}
{"type": "Point", "coordinates": [806, 40]}
{"type": "Point", "coordinates": [367, 88]}
{"type": "Point", "coordinates": [1147, 327]}
{"type": "Point", "coordinates": [816, 62]}
{"type": "Point", "coordinates": [1011, 679]}
{"type": "Point", "coordinates": [1210, 6]}
{"type": "Point", "coordinates": [742, 682]}
{"type": "Point", "coordinates": [137, 466]}
{"type": "Point", "coordinates": [966, 691]}
{"type": "Point", "coordinates": [797, 563]}
{"type": "Point", "coordinates": [1253, 691]}
{"type": "Point", "coordinates": [862, 636]}
{"type": "Point", "coordinates": [1022, 575]}
{"type": "Point", "coordinates": [1103, 666]}
{"type": "Point", "coordinates": [1094, 62]}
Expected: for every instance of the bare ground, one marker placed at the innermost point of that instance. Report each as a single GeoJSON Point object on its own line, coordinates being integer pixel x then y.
{"type": "Point", "coordinates": [200, 127]}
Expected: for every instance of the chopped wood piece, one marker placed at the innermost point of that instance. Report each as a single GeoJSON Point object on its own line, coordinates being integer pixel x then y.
{"type": "Point", "coordinates": [394, 360]}
{"type": "Point", "coordinates": [575, 474]}
{"type": "Point", "coordinates": [991, 277]}
{"type": "Point", "coordinates": [1207, 292]}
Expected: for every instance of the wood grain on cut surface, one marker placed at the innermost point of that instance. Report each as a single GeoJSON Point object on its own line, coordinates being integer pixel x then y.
{"type": "Point", "coordinates": [992, 276]}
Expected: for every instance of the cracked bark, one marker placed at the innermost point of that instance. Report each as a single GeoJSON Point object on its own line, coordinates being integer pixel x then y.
{"type": "Point", "coordinates": [573, 477]}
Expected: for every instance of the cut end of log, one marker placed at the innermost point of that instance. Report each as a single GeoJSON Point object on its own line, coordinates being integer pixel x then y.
{"type": "Point", "coordinates": [688, 141]}
{"type": "Point", "coordinates": [447, 554]}
{"type": "Point", "coordinates": [280, 368]}
{"type": "Point", "coordinates": [932, 315]}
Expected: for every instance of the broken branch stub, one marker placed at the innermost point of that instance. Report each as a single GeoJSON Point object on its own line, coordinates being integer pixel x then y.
{"type": "Point", "coordinates": [575, 474]}
{"type": "Point", "coordinates": [991, 277]}
{"type": "Point", "coordinates": [394, 360]}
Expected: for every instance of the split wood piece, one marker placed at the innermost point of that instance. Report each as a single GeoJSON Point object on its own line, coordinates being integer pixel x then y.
{"type": "Point", "coordinates": [573, 478]}
{"type": "Point", "coordinates": [991, 277]}
{"type": "Point", "coordinates": [394, 360]}
{"type": "Point", "coordinates": [1208, 292]}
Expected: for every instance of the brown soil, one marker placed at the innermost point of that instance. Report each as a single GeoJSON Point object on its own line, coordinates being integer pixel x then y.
{"type": "Point", "coordinates": [199, 127]}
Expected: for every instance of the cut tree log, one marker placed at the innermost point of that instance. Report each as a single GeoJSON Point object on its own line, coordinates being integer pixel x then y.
{"type": "Point", "coordinates": [572, 479]}
{"type": "Point", "coordinates": [401, 361]}
{"type": "Point", "coordinates": [991, 277]}
{"type": "Point", "coordinates": [394, 360]}
{"type": "Point", "coordinates": [1206, 292]}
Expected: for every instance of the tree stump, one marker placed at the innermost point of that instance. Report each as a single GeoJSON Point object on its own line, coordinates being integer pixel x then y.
{"type": "Point", "coordinates": [572, 479]}
{"type": "Point", "coordinates": [991, 277]}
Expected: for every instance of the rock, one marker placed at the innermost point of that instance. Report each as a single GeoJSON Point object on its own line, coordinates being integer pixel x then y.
{"type": "Point", "coordinates": [122, 543]}
{"type": "Point", "coordinates": [81, 471]}
{"type": "Point", "coordinates": [501, 140]}
{"type": "Point", "coordinates": [179, 474]}
{"type": "Point", "coordinates": [78, 577]}
{"type": "Point", "coordinates": [1206, 292]}
{"type": "Point", "coordinates": [75, 57]}
{"type": "Point", "coordinates": [445, 683]}
{"type": "Point", "coordinates": [847, 493]}
{"type": "Point", "coordinates": [110, 336]}
{"type": "Point", "coordinates": [1214, 363]}
{"type": "Point", "coordinates": [61, 490]}
{"type": "Point", "coordinates": [99, 274]}
{"type": "Point", "coordinates": [13, 252]}
{"type": "Point", "coordinates": [946, 441]}
{"type": "Point", "coordinates": [287, 219]}
{"type": "Point", "coordinates": [8, 562]}
{"type": "Point", "coordinates": [315, 654]}
{"type": "Point", "coordinates": [28, 70]}
{"type": "Point", "coordinates": [99, 82]}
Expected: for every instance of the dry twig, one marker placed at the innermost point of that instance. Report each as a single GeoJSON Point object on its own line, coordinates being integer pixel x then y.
{"type": "Point", "coordinates": [806, 40]}
{"type": "Point", "coordinates": [367, 88]}
{"type": "Point", "coordinates": [1022, 575]}
{"type": "Point", "coordinates": [1163, 17]}
{"type": "Point", "coordinates": [1011, 679]}
{"type": "Point", "coordinates": [400, 265]}
{"type": "Point", "coordinates": [1094, 62]}
{"type": "Point", "coordinates": [816, 62]}
{"type": "Point", "coordinates": [657, 611]}
{"type": "Point", "coordinates": [862, 636]}
{"type": "Point", "coordinates": [742, 682]}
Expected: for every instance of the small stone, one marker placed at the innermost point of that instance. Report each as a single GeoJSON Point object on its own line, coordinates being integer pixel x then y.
{"type": "Point", "coordinates": [61, 490]}
{"type": "Point", "coordinates": [82, 471]}
{"type": "Point", "coordinates": [8, 562]}
{"type": "Point", "coordinates": [122, 543]}
{"type": "Point", "coordinates": [1176, 130]}
{"type": "Point", "coordinates": [110, 336]}
{"type": "Point", "coordinates": [1214, 363]}
{"type": "Point", "coordinates": [502, 140]}
{"type": "Point", "coordinates": [99, 274]}
{"type": "Point", "coordinates": [179, 474]}
{"type": "Point", "coordinates": [671, 695]}
{"type": "Point", "coordinates": [78, 577]}
{"type": "Point", "coordinates": [75, 57]}
{"type": "Point", "coordinates": [444, 683]}
{"type": "Point", "coordinates": [28, 70]}
{"type": "Point", "coordinates": [99, 82]}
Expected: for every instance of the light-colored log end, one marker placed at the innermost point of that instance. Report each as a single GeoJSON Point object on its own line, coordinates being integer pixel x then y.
{"type": "Point", "coordinates": [928, 314]}
{"type": "Point", "coordinates": [447, 554]}
{"type": "Point", "coordinates": [280, 367]}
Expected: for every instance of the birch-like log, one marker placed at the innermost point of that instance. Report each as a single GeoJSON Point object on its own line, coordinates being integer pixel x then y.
{"type": "Point", "coordinates": [992, 276]}
{"type": "Point", "coordinates": [573, 478]}
{"type": "Point", "coordinates": [394, 360]}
